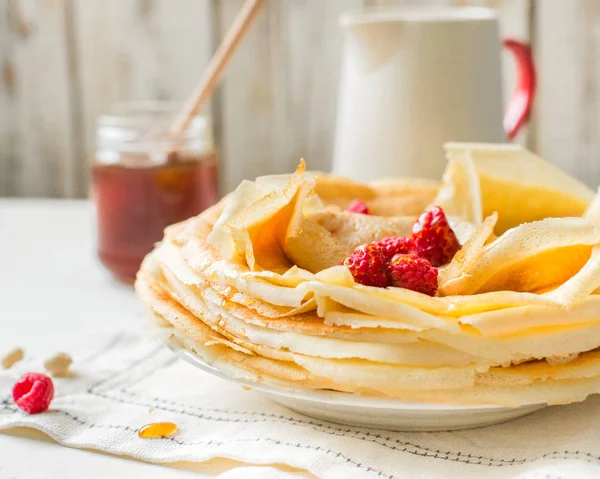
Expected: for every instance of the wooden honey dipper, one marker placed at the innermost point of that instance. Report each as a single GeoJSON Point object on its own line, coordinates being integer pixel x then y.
{"type": "Point", "coordinates": [210, 79]}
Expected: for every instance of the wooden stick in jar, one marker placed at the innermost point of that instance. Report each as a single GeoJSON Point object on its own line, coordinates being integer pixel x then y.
{"type": "Point", "coordinates": [217, 65]}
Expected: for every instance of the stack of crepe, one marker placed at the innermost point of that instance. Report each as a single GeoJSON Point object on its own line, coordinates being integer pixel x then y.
{"type": "Point", "coordinates": [254, 285]}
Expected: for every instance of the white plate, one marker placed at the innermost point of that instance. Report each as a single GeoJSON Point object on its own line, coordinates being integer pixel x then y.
{"type": "Point", "coordinates": [380, 413]}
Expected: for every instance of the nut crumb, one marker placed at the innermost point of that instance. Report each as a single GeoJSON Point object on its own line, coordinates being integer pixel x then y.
{"type": "Point", "coordinates": [12, 357]}
{"type": "Point", "coordinates": [151, 410]}
{"type": "Point", "coordinates": [58, 365]}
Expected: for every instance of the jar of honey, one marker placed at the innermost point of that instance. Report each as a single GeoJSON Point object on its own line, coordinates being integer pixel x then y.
{"type": "Point", "coordinates": [144, 180]}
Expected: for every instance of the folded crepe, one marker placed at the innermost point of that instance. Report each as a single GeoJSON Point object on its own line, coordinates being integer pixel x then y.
{"type": "Point", "coordinates": [254, 286]}
{"type": "Point", "coordinates": [521, 187]}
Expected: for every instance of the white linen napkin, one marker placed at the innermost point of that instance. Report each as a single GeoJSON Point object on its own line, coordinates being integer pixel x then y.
{"type": "Point", "coordinates": [130, 381]}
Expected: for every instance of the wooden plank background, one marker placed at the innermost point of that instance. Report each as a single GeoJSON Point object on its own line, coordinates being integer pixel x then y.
{"type": "Point", "coordinates": [63, 62]}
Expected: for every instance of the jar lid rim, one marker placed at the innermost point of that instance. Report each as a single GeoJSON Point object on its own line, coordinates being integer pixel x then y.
{"type": "Point", "coordinates": [134, 113]}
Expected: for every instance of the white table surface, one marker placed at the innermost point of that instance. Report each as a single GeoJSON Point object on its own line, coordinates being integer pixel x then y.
{"type": "Point", "coordinates": [54, 291]}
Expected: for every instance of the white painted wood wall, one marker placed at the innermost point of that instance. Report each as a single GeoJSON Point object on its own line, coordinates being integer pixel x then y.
{"type": "Point", "coordinates": [63, 62]}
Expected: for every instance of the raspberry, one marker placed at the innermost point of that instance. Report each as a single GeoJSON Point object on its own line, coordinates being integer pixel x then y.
{"type": "Point", "coordinates": [396, 245]}
{"type": "Point", "coordinates": [411, 272]}
{"type": "Point", "coordinates": [433, 238]}
{"type": "Point", "coordinates": [358, 206]}
{"type": "Point", "coordinates": [33, 392]}
{"type": "Point", "coordinates": [368, 265]}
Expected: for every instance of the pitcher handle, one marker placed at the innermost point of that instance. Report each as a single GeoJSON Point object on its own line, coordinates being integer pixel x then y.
{"type": "Point", "coordinates": [519, 107]}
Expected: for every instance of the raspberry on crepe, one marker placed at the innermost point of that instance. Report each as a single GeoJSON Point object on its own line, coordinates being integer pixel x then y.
{"type": "Point", "coordinates": [368, 265]}
{"type": "Point", "coordinates": [411, 272]}
{"type": "Point", "coordinates": [358, 206]}
{"type": "Point", "coordinates": [433, 238]}
{"type": "Point", "coordinates": [393, 245]}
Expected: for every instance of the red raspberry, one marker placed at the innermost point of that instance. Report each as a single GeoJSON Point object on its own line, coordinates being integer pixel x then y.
{"type": "Point", "coordinates": [358, 206]}
{"type": "Point", "coordinates": [396, 245]}
{"type": "Point", "coordinates": [411, 272]}
{"type": "Point", "coordinates": [33, 392]}
{"type": "Point", "coordinates": [433, 238]}
{"type": "Point", "coordinates": [368, 265]}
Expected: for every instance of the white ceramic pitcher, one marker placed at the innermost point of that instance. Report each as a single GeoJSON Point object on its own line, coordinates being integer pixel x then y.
{"type": "Point", "coordinates": [413, 79]}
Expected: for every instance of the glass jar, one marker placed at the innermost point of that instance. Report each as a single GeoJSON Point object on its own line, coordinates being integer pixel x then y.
{"type": "Point", "coordinates": [143, 180]}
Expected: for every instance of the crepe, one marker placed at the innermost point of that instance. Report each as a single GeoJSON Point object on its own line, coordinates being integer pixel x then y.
{"type": "Point", "coordinates": [255, 287]}
{"type": "Point", "coordinates": [521, 187]}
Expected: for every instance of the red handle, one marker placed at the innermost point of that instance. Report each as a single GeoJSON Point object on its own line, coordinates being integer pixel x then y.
{"type": "Point", "coordinates": [519, 107]}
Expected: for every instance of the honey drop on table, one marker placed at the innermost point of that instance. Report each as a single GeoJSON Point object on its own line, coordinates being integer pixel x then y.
{"type": "Point", "coordinates": [157, 429]}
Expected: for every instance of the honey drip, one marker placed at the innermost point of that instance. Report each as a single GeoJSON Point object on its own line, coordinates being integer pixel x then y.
{"type": "Point", "coordinates": [157, 429]}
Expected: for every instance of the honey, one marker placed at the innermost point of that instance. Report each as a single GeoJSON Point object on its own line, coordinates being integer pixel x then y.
{"type": "Point", "coordinates": [157, 429]}
{"type": "Point", "coordinates": [135, 204]}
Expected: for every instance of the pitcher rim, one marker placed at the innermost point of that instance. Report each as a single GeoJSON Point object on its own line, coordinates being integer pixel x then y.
{"type": "Point", "coordinates": [420, 14]}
